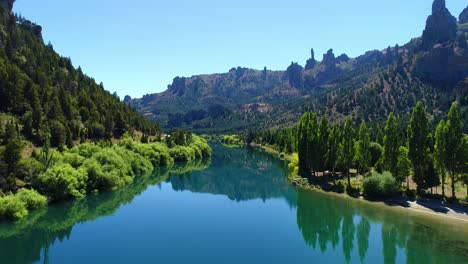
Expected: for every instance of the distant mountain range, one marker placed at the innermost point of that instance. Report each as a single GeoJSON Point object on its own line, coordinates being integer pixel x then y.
{"type": "Point", "coordinates": [432, 68]}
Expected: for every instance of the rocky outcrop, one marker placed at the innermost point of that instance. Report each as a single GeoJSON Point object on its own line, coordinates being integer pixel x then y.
{"type": "Point", "coordinates": [178, 86]}
{"type": "Point", "coordinates": [32, 27]}
{"type": "Point", "coordinates": [295, 75]}
{"type": "Point", "coordinates": [127, 99]}
{"type": "Point", "coordinates": [329, 60]}
{"type": "Point", "coordinates": [7, 4]}
{"type": "Point", "coordinates": [342, 58]}
{"type": "Point", "coordinates": [463, 18]}
{"type": "Point", "coordinates": [441, 26]}
{"type": "Point", "coordinates": [310, 64]}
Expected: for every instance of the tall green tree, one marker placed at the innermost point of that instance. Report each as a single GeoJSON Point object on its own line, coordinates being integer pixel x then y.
{"type": "Point", "coordinates": [417, 138]}
{"type": "Point", "coordinates": [347, 147]}
{"type": "Point", "coordinates": [454, 140]}
{"type": "Point", "coordinates": [303, 134]}
{"type": "Point", "coordinates": [333, 149]}
{"type": "Point", "coordinates": [314, 144]}
{"type": "Point", "coordinates": [363, 155]}
{"type": "Point", "coordinates": [431, 178]}
{"type": "Point", "coordinates": [324, 133]}
{"type": "Point", "coordinates": [390, 147]}
{"type": "Point", "coordinates": [403, 165]}
{"type": "Point", "coordinates": [440, 152]}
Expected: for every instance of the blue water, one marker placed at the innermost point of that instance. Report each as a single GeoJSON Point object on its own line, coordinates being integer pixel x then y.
{"type": "Point", "coordinates": [237, 209]}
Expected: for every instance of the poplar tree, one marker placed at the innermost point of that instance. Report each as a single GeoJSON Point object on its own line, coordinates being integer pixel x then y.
{"type": "Point", "coordinates": [324, 133]}
{"type": "Point", "coordinates": [417, 138]}
{"type": "Point", "coordinates": [403, 165]}
{"type": "Point", "coordinates": [363, 155]}
{"type": "Point", "coordinates": [347, 147]}
{"type": "Point", "coordinates": [454, 142]}
{"type": "Point", "coordinates": [333, 152]}
{"type": "Point", "coordinates": [390, 147]}
{"type": "Point", "coordinates": [440, 152]}
{"type": "Point", "coordinates": [303, 134]}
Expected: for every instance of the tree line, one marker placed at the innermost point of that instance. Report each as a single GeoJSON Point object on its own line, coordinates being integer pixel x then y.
{"type": "Point", "coordinates": [432, 157]}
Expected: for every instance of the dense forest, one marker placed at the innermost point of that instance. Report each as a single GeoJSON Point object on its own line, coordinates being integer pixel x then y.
{"type": "Point", "coordinates": [432, 153]}
{"type": "Point", "coordinates": [49, 97]}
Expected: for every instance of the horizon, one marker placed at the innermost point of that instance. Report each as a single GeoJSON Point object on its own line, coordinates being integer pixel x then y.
{"type": "Point", "coordinates": [227, 41]}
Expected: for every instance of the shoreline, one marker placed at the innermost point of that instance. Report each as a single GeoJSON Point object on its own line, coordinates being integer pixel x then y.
{"type": "Point", "coordinates": [428, 207]}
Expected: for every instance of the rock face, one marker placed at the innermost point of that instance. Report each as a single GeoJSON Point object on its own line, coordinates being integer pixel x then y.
{"type": "Point", "coordinates": [442, 61]}
{"type": "Point", "coordinates": [127, 99]}
{"type": "Point", "coordinates": [441, 26]}
{"type": "Point", "coordinates": [178, 86]}
{"type": "Point", "coordinates": [8, 4]}
{"type": "Point", "coordinates": [310, 64]}
{"type": "Point", "coordinates": [463, 18]}
{"type": "Point", "coordinates": [329, 59]}
{"type": "Point", "coordinates": [342, 58]}
{"type": "Point", "coordinates": [295, 75]}
{"type": "Point", "coordinates": [34, 28]}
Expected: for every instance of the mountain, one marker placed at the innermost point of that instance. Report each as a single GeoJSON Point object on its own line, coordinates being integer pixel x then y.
{"type": "Point", "coordinates": [432, 68]}
{"type": "Point", "coordinates": [45, 96]}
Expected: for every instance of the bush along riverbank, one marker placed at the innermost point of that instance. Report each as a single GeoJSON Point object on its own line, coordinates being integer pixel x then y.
{"type": "Point", "coordinates": [54, 176]}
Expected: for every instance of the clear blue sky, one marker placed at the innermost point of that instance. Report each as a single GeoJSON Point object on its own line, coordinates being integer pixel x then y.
{"type": "Point", "coordinates": [137, 47]}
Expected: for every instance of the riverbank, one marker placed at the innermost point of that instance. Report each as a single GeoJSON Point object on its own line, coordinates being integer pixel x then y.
{"type": "Point", "coordinates": [90, 168]}
{"type": "Point", "coordinates": [427, 206]}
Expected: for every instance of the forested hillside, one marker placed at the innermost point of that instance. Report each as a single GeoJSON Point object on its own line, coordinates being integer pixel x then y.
{"type": "Point", "coordinates": [432, 68]}
{"type": "Point", "coordinates": [44, 96]}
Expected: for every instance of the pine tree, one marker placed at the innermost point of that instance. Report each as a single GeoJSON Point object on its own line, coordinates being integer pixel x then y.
{"type": "Point", "coordinates": [417, 138]}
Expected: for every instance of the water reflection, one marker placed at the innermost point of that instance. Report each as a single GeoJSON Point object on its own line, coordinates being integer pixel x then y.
{"type": "Point", "coordinates": [240, 174]}
{"type": "Point", "coordinates": [326, 221]}
{"type": "Point", "coordinates": [24, 241]}
{"type": "Point", "coordinates": [344, 230]}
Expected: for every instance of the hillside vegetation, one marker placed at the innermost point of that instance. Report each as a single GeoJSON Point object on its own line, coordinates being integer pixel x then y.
{"type": "Point", "coordinates": [432, 68]}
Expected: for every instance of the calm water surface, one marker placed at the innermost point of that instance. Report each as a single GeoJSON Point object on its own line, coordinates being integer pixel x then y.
{"type": "Point", "coordinates": [237, 209]}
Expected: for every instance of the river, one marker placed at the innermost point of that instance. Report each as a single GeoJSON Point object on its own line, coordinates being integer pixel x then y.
{"type": "Point", "coordinates": [237, 208]}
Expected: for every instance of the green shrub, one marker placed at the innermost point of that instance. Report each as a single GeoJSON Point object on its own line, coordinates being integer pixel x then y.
{"type": "Point", "coordinates": [86, 150]}
{"type": "Point", "coordinates": [181, 153]}
{"type": "Point", "coordinates": [107, 170]}
{"type": "Point", "coordinates": [32, 199]}
{"type": "Point", "coordinates": [28, 169]}
{"type": "Point", "coordinates": [62, 182]}
{"type": "Point", "coordinates": [12, 208]}
{"type": "Point", "coordinates": [380, 185]}
{"type": "Point", "coordinates": [74, 159]}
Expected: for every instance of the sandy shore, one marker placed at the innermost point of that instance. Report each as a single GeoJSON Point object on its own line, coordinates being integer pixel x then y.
{"type": "Point", "coordinates": [429, 206]}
